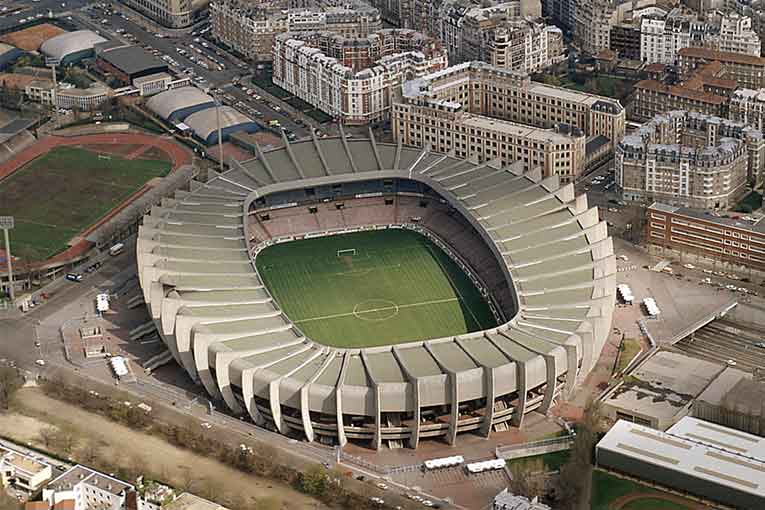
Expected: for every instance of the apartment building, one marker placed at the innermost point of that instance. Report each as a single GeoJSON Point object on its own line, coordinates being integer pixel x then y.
{"type": "Point", "coordinates": [748, 106]}
{"type": "Point", "coordinates": [562, 12]}
{"type": "Point", "coordinates": [250, 29]}
{"type": "Point", "coordinates": [170, 13]}
{"type": "Point", "coordinates": [353, 79]}
{"type": "Point", "coordinates": [453, 108]}
{"type": "Point", "coordinates": [447, 126]}
{"type": "Point", "coordinates": [673, 230]}
{"type": "Point", "coordinates": [593, 20]}
{"type": "Point", "coordinates": [625, 41]}
{"type": "Point", "coordinates": [689, 160]}
{"type": "Point", "coordinates": [706, 91]}
{"type": "Point", "coordinates": [499, 36]}
{"type": "Point", "coordinates": [747, 70]}
{"type": "Point", "coordinates": [662, 37]}
{"type": "Point", "coordinates": [737, 36]}
{"type": "Point", "coordinates": [513, 96]}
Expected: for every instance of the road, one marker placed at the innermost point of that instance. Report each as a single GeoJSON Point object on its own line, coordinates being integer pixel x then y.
{"type": "Point", "coordinates": [18, 10]}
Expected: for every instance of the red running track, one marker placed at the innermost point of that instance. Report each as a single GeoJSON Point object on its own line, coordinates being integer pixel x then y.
{"type": "Point", "coordinates": [177, 154]}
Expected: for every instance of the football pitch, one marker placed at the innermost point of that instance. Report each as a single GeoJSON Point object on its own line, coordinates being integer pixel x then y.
{"type": "Point", "coordinates": [372, 288]}
{"type": "Point", "coordinates": [60, 194]}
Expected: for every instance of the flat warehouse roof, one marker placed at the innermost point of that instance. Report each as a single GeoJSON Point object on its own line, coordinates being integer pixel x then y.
{"type": "Point", "coordinates": [718, 436]}
{"type": "Point", "coordinates": [132, 59]}
{"type": "Point", "coordinates": [693, 458]}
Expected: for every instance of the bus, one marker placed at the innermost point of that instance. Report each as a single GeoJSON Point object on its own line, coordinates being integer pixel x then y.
{"type": "Point", "coordinates": [116, 249]}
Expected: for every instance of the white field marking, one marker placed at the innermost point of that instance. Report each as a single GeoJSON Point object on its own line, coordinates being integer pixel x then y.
{"type": "Point", "coordinates": [394, 307]}
{"type": "Point", "coordinates": [456, 288]}
{"type": "Point", "coordinates": [358, 272]}
{"type": "Point", "coordinates": [38, 223]}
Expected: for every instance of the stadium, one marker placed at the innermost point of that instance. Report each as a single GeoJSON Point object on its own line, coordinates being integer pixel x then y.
{"type": "Point", "coordinates": [342, 289]}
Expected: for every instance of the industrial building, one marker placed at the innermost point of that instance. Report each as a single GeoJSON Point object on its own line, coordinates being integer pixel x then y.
{"type": "Point", "coordinates": [204, 123]}
{"type": "Point", "coordinates": [661, 390]}
{"type": "Point", "coordinates": [126, 63]}
{"type": "Point", "coordinates": [735, 400]}
{"type": "Point", "coordinates": [543, 256]}
{"type": "Point", "coordinates": [8, 55]}
{"type": "Point", "coordinates": [709, 461]}
{"type": "Point", "coordinates": [177, 104]}
{"type": "Point", "coordinates": [71, 47]}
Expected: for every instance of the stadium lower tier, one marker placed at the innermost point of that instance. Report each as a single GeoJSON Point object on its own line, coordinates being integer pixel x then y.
{"type": "Point", "coordinates": [538, 255]}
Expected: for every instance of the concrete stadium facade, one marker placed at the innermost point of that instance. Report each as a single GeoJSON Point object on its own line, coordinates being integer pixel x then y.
{"type": "Point", "coordinates": [550, 253]}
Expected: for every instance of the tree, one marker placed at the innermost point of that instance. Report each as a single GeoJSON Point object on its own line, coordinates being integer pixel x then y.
{"type": "Point", "coordinates": [10, 382]}
{"type": "Point", "coordinates": [528, 478]}
{"type": "Point", "coordinates": [91, 452]}
{"type": "Point", "coordinates": [551, 79]}
{"type": "Point", "coordinates": [576, 475]}
{"type": "Point", "coordinates": [8, 502]}
{"type": "Point", "coordinates": [314, 481]}
{"type": "Point", "coordinates": [269, 503]}
{"type": "Point", "coordinates": [48, 436]}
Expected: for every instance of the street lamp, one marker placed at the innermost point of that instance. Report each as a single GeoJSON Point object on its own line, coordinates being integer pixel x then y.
{"type": "Point", "coordinates": [220, 138]}
{"type": "Point", "coordinates": [6, 223]}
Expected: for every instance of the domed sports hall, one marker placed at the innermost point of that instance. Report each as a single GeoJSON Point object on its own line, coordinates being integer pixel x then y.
{"type": "Point", "coordinates": [343, 289]}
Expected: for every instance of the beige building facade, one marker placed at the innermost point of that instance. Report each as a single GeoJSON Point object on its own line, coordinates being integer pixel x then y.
{"type": "Point", "coordinates": [353, 79]}
{"type": "Point", "coordinates": [689, 160]}
{"type": "Point", "coordinates": [251, 29]}
{"type": "Point", "coordinates": [170, 13]}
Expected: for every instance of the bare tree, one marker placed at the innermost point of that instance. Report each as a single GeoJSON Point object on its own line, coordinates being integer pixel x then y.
{"type": "Point", "coordinates": [269, 503]}
{"type": "Point", "coordinates": [576, 475]}
{"type": "Point", "coordinates": [10, 382]}
{"type": "Point", "coordinates": [48, 436]}
{"type": "Point", "coordinates": [528, 478]}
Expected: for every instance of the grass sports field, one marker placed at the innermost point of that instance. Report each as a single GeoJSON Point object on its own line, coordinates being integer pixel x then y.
{"type": "Point", "coordinates": [396, 287]}
{"type": "Point", "coordinates": [58, 195]}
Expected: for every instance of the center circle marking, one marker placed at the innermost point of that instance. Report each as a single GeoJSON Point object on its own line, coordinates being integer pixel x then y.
{"type": "Point", "coordinates": [389, 309]}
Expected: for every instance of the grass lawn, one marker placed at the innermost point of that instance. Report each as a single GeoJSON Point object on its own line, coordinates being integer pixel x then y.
{"type": "Point", "coordinates": [749, 203]}
{"type": "Point", "coordinates": [628, 350]}
{"type": "Point", "coordinates": [653, 504]}
{"type": "Point", "coordinates": [553, 461]}
{"type": "Point", "coordinates": [397, 287]}
{"type": "Point", "coordinates": [606, 488]}
{"type": "Point", "coordinates": [58, 195]}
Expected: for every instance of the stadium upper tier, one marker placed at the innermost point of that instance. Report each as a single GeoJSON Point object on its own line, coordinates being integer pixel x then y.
{"type": "Point", "coordinates": [546, 247]}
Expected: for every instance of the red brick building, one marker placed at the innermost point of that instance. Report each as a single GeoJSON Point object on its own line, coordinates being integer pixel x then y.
{"type": "Point", "coordinates": [739, 241]}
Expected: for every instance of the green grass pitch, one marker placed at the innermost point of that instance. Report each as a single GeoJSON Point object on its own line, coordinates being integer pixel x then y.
{"type": "Point", "coordinates": [398, 287]}
{"type": "Point", "coordinates": [60, 194]}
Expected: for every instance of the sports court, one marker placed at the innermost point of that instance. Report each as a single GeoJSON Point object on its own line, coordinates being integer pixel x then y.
{"type": "Point", "coordinates": [372, 288]}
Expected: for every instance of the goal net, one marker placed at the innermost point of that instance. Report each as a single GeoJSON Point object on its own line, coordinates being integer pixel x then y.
{"type": "Point", "coordinates": [350, 252]}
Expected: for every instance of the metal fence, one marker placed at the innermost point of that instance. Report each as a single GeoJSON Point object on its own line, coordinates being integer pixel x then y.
{"type": "Point", "coordinates": [518, 451]}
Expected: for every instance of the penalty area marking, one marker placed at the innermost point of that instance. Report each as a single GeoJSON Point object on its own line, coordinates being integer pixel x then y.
{"type": "Point", "coordinates": [394, 307]}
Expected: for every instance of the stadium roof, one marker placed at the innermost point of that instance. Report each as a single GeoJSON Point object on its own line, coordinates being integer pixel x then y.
{"type": "Point", "coordinates": [166, 103]}
{"type": "Point", "coordinates": [551, 247]}
{"type": "Point", "coordinates": [66, 44]}
{"type": "Point", "coordinates": [205, 122]}
{"type": "Point", "coordinates": [132, 59]}
{"type": "Point", "coordinates": [709, 452]}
